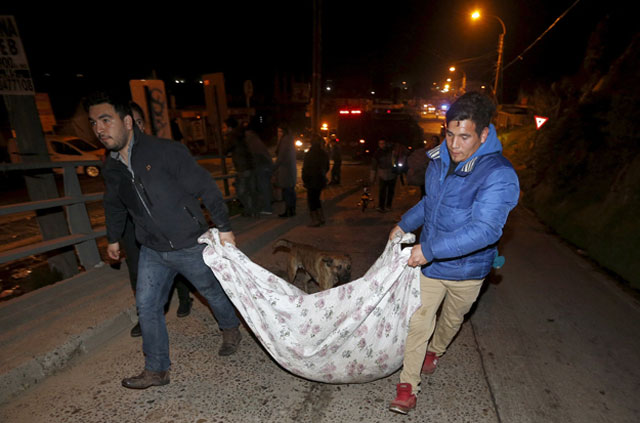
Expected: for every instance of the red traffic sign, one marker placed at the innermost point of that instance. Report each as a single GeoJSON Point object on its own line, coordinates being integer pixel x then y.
{"type": "Point", "coordinates": [540, 120]}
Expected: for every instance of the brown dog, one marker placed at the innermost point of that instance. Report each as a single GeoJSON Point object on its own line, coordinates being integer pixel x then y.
{"type": "Point", "coordinates": [326, 268]}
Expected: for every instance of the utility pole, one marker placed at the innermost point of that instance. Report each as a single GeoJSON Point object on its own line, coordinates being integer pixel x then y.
{"type": "Point", "coordinates": [499, 63]}
{"type": "Point", "coordinates": [316, 76]}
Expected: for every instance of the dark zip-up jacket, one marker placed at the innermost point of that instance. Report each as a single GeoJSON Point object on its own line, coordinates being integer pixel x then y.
{"type": "Point", "coordinates": [162, 196]}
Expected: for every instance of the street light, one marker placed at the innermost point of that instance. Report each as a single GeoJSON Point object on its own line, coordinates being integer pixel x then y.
{"type": "Point", "coordinates": [476, 15]}
{"type": "Point", "coordinates": [463, 85]}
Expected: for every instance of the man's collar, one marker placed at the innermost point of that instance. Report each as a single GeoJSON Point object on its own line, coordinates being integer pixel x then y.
{"type": "Point", "coordinates": [116, 154]}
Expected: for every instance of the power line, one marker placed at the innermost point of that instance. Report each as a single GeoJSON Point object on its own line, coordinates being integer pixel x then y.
{"type": "Point", "coordinates": [474, 59]}
{"type": "Point", "coordinates": [519, 57]}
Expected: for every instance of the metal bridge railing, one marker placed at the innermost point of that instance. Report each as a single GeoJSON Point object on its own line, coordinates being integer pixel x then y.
{"type": "Point", "coordinates": [82, 236]}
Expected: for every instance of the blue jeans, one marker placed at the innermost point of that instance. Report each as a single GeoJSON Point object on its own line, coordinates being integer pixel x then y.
{"type": "Point", "coordinates": [246, 191]}
{"type": "Point", "coordinates": [155, 278]}
{"type": "Point", "coordinates": [289, 197]}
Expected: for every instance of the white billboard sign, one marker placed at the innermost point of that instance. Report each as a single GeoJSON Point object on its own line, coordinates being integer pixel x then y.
{"type": "Point", "coordinates": [15, 76]}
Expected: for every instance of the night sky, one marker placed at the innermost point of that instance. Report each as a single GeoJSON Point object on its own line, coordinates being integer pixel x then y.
{"type": "Point", "coordinates": [375, 43]}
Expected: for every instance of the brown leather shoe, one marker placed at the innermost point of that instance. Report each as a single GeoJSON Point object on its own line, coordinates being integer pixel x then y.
{"type": "Point", "coordinates": [146, 379]}
{"type": "Point", "coordinates": [230, 341]}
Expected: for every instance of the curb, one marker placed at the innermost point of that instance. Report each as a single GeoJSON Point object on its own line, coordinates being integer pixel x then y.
{"type": "Point", "coordinates": [40, 367]}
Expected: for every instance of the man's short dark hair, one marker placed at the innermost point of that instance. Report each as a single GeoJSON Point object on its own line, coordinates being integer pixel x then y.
{"type": "Point", "coordinates": [473, 106]}
{"type": "Point", "coordinates": [135, 107]}
{"type": "Point", "coordinates": [119, 102]}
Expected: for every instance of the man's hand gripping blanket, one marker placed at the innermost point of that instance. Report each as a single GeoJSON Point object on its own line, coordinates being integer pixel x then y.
{"type": "Point", "coordinates": [352, 333]}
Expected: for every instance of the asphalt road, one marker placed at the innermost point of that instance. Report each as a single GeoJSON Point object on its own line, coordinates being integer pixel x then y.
{"type": "Point", "coordinates": [559, 338]}
{"type": "Point", "coordinates": [431, 126]}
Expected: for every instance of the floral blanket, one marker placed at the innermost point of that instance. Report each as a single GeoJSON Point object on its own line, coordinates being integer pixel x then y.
{"type": "Point", "coordinates": [352, 333]}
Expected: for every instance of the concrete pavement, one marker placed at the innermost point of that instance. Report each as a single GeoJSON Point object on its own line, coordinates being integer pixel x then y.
{"type": "Point", "coordinates": [533, 350]}
{"type": "Point", "coordinates": [560, 339]}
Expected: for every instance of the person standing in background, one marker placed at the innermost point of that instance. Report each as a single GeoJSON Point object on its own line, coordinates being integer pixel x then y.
{"type": "Point", "coordinates": [263, 168]}
{"type": "Point", "coordinates": [382, 171]}
{"type": "Point", "coordinates": [243, 164]}
{"type": "Point", "coordinates": [285, 169]}
{"type": "Point", "coordinates": [336, 156]}
{"type": "Point", "coordinates": [314, 177]}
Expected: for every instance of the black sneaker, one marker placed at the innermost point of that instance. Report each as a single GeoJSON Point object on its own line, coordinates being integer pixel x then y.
{"type": "Point", "coordinates": [136, 331]}
{"type": "Point", "coordinates": [184, 309]}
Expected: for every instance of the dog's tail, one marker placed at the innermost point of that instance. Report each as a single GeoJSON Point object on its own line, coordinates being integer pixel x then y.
{"type": "Point", "coordinates": [282, 243]}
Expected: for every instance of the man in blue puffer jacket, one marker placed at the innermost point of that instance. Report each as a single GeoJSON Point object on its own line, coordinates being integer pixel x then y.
{"type": "Point", "coordinates": [470, 190]}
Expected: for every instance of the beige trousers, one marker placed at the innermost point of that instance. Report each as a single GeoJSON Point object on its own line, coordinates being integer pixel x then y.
{"type": "Point", "coordinates": [458, 298]}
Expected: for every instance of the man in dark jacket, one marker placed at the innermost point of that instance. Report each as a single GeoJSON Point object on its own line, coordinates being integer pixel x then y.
{"type": "Point", "coordinates": [382, 170]}
{"type": "Point", "coordinates": [471, 188]}
{"type": "Point", "coordinates": [159, 184]}
{"type": "Point", "coordinates": [132, 248]}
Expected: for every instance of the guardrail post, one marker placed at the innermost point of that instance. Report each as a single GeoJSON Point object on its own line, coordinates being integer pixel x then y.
{"type": "Point", "coordinates": [41, 185]}
{"type": "Point", "coordinates": [78, 219]}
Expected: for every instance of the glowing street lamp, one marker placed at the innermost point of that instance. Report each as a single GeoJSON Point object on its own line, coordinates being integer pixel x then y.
{"type": "Point", "coordinates": [475, 16]}
{"type": "Point", "coordinates": [463, 85]}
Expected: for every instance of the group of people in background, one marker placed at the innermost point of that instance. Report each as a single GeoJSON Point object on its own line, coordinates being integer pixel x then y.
{"type": "Point", "coordinates": [392, 161]}
{"type": "Point", "coordinates": [253, 164]}
{"type": "Point", "coordinates": [257, 173]}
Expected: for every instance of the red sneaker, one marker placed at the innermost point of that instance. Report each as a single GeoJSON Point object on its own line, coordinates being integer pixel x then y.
{"type": "Point", "coordinates": [405, 401]}
{"type": "Point", "coordinates": [430, 363]}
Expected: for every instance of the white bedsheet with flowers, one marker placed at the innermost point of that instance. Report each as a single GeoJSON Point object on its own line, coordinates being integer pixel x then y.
{"type": "Point", "coordinates": [349, 334]}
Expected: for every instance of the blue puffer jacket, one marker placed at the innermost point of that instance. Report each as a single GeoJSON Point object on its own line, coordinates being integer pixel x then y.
{"type": "Point", "coordinates": [463, 214]}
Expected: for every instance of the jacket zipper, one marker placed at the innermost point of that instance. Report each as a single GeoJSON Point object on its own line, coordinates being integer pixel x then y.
{"type": "Point", "coordinates": [144, 204]}
{"type": "Point", "coordinates": [192, 216]}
